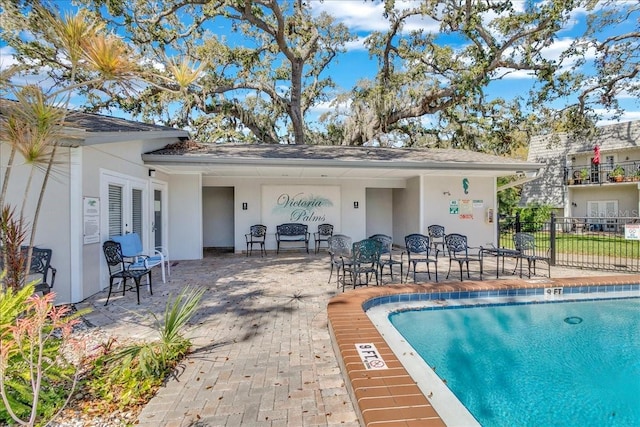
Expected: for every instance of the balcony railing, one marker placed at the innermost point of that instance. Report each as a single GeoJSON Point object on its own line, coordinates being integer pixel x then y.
{"type": "Point", "coordinates": [603, 173]}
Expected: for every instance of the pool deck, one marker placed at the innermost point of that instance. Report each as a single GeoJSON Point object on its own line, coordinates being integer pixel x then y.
{"type": "Point", "coordinates": [390, 397]}
{"type": "Point", "coordinates": [273, 344]}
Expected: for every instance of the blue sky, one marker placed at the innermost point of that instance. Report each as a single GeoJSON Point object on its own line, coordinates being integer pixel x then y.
{"type": "Point", "coordinates": [363, 17]}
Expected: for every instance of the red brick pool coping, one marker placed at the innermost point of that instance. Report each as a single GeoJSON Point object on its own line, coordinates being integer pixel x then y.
{"type": "Point", "coordinates": [390, 397]}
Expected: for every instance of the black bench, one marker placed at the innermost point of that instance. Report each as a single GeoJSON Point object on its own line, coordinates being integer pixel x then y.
{"type": "Point", "coordinates": [292, 233]}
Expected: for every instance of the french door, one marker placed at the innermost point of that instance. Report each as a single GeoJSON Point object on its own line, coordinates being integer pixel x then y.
{"type": "Point", "coordinates": [135, 206]}
{"type": "Point", "coordinates": [603, 213]}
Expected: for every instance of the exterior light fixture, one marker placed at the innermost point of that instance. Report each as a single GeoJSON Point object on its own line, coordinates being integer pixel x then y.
{"type": "Point", "coordinates": [245, 206]}
{"type": "Point", "coordinates": [355, 205]}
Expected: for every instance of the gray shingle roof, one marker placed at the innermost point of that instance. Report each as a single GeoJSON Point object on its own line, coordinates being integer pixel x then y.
{"type": "Point", "coordinates": [97, 123]}
{"type": "Point", "coordinates": [248, 153]}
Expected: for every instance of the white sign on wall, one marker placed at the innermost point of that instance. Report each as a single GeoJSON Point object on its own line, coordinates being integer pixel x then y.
{"type": "Point", "coordinates": [91, 220]}
{"type": "Point", "coordinates": [311, 205]}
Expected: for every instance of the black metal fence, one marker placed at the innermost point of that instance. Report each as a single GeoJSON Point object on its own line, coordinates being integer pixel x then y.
{"type": "Point", "coordinates": [602, 243]}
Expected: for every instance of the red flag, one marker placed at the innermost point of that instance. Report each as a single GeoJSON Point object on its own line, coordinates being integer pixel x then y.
{"type": "Point", "coordinates": [596, 155]}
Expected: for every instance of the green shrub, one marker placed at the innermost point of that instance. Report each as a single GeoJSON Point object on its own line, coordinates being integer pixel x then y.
{"type": "Point", "coordinates": [36, 378]}
{"type": "Point", "coordinates": [533, 217]}
{"type": "Point", "coordinates": [131, 374]}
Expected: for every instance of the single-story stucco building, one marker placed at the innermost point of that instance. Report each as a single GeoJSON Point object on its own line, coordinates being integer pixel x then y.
{"type": "Point", "coordinates": [115, 176]}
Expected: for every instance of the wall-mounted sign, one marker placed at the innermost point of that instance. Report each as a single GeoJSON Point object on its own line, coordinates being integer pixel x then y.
{"type": "Point", "coordinates": [466, 209]}
{"type": "Point", "coordinates": [91, 220]}
{"type": "Point", "coordinates": [311, 205]}
{"type": "Point", "coordinates": [454, 208]}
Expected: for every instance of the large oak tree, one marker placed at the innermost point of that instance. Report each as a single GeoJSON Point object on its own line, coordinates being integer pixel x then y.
{"type": "Point", "coordinates": [232, 70]}
{"type": "Point", "coordinates": [443, 75]}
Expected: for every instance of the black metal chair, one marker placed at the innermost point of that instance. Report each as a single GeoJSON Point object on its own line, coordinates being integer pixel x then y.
{"type": "Point", "coordinates": [339, 250]}
{"type": "Point", "coordinates": [120, 269]}
{"type": "Point", "coordinates": [459, 251]}
{"type": "Point", "coordinates": [363, 261]}
{"type": "Point", "coordinates": [436, 235]}
{"type": "Point", "coordinates": [418, 250]}
{"type": "Point", "coordinates": [322, 235]}
{"type": "Point", "coordinates": [386, 255]}
{"type": "Point", "coordinates": [40, 268]}
{"type": "Point", "coordinates": [525, 244]}
{"type": "Point", "coordinates": [256, 236]}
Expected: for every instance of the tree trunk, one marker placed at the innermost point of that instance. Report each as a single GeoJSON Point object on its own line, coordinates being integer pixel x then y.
{"type": "Point", "coordinates": [295, 104]}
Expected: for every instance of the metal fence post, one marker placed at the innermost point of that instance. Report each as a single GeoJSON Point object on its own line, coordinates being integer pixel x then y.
{"type": "Point", "coordinates": [552, 237]}
{"type": "Point", "coordinates": [518, 224]}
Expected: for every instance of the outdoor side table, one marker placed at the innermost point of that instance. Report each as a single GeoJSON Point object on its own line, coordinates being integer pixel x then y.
{"type": "Point", "coordinates": [501, 252]}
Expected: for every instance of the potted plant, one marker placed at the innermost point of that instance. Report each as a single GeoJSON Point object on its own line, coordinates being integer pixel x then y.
{"type": "Point", "coordinates": [617, 174]}
{"type": "Point", "coordinates": [636, 176]}
{"type": "Point", "coordinates": [584, 174]}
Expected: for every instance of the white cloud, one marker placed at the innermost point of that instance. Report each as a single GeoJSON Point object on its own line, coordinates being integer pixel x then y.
{"type": "Point", "coordinates": [627, 116]}
{"type": "Point", "coordinates": [7, 58]}
{"type": "Point", "coordinates": [331, 105]}
{"type": "Point", "coordinates": [357, 44]}
{"type": "Point", "coordinates": [363, 16]}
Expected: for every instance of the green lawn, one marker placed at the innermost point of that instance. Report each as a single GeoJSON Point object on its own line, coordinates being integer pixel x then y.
{"type": "Point", "coordinates": [589, 244]}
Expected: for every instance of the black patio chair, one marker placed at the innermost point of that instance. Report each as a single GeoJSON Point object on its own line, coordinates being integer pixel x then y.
{"type": "Point", "coordinates": [322, 235]}
{"type": "Point", "coordinates": [436, 236]}
{"type": "Point", "coordinates": [40, 268]}
{"type": "Point", "coordinates": [120, 269]}
{"type": "Point", "coordinates": [256, 236]}
{"type": "Point", "coordinates": [386, 255]}
{"type": "Point", "coordinates": [462, 253]}
{"type": "Point", "coordinates": [525, 244]}
{"type": "Point", "coordinates": [418, 251]}
{"type": "Point", "coordinates": [363, 261]}
{"type": "Point", "coordinates": [340, 252]}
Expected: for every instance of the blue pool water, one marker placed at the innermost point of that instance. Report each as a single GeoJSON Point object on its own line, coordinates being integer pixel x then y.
{"type": "Point", "coordinates": [557, 364]}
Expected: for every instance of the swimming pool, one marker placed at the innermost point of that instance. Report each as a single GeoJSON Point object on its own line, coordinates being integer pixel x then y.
{"type": "Point", "coordinates": [467, 348]}
{"type": "Point", "coordinates": [392, 394]}
{"type": "Point", "coordinates": [571, 363]}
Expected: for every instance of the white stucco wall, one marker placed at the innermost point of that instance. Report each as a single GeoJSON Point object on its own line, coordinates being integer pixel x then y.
{"type": "Point", "coordinates": [627, 195]}
{"type": "Point", "coordinates": [481, 190]}
{"type": "Point", "coordinates": [185, 216]}
{"type": "Point", "coordinates": [406, 210]}
{"type": "Point", "coordinates": [53, 225]}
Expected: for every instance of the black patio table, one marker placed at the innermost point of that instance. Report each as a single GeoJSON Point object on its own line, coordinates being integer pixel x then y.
{"type": "Point", "coordinates": [501, 252]}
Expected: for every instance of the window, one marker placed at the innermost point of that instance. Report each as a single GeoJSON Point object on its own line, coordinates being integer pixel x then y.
{"type": "Point", "coordinates": [126, 206]}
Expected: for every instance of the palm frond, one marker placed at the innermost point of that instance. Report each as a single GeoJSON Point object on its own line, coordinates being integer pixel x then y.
{"type": "Point", "coordinates": [109, 56]}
